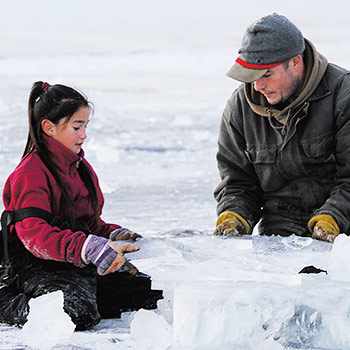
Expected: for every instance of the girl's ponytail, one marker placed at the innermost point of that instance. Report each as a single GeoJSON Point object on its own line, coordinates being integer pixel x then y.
{"type": "Point", "coordinates": [37, 89]}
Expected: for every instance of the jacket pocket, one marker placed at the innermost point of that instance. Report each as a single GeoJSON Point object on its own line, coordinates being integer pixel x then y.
{"type": "Point", "coordinates": [264, 163]}
{"type": "Point", "coordinates": [261, 155]}
{"type": "Point", "coordinates": [319, 149]}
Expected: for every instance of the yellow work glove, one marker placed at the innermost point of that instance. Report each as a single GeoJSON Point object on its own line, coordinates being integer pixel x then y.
{"type": "Point", "coordinates": [230, 223]}
{"type": "Point", "coordinates": [323, 227]}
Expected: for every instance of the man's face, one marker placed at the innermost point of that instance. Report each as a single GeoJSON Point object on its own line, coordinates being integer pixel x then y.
{"type": "Point", "coordinates": [278, 84]}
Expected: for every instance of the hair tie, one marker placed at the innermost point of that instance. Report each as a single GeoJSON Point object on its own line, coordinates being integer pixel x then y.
{"type": "Point", "coordinates": [45, 86]}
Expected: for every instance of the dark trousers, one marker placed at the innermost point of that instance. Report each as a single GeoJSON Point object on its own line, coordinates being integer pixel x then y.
{"type": "Point", "coordinates": [88, 297]}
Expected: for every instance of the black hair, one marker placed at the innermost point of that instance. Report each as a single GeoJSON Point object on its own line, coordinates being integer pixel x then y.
{"type": "Point", "coordinates": [54, 102]}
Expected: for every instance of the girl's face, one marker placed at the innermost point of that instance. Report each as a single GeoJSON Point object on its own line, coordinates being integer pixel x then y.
{"type": "Point", "coordinates": [71, 134]}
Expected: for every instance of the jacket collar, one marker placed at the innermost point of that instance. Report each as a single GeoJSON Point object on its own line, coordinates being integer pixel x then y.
{"type": "Point", "coordinates": [62, 157]}
{"type": "Point", "coordinates": [321, 91]}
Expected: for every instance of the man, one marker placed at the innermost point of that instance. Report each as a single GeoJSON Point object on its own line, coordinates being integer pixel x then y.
{"type": "Point", "coordinates": [284, 142]}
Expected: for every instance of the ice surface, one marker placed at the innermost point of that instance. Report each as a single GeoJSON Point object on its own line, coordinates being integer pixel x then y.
{"type": "Point", "coordinates": [155, 71]}
{"type": "Point", "coordinates": [48, 324]}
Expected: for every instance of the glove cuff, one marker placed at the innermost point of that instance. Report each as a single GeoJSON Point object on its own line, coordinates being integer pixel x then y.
{"type": "Point", "coordinates": [328, 223]}
{"type": "Point", "coordinates": [93, 248]}
{"type": "Point", "coordinates": [227, 215]}
{"type": "Point", "coordinates": [83, 249]}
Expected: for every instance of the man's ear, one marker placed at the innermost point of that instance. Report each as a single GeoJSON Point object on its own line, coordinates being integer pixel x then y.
{"type": "Point", "coordinates": [296, 65]}
{"type": "Point", "coordinates": [48, 127]}
{"type": "Point", "coordinates": [297, 60]}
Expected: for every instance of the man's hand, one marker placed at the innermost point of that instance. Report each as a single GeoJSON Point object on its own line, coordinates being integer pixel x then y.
{"type": "Point", "coordinates": [323, 227]}
{"type": "Point", "coordinates": [230, 223]}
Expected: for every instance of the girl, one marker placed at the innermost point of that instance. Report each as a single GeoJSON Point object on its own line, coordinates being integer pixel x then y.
{"type": "Point", "coordinates": [57, 240]}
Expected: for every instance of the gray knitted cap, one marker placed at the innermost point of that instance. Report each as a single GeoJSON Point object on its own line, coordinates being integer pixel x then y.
{"type": "Point", "coordinates": [266, 43]}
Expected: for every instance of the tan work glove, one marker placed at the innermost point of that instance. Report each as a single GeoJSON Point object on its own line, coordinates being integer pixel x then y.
{"type": "Point", "coordinates": [323, 227]}
{"type": "Point", "coordinates": [230, 223]}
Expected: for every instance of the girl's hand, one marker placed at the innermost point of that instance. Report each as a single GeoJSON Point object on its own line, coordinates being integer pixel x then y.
{"type": "Point", "coordinates": [108, 256]}
{"type": "Point", "coordinates": [123, 234]}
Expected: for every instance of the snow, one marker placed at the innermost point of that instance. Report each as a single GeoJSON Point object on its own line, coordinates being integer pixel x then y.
{"type": "Point", "coordinates": [155, 71]}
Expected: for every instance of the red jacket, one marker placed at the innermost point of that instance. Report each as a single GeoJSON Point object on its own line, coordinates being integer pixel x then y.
{"type": "Point", "coordinates": [32, 185]}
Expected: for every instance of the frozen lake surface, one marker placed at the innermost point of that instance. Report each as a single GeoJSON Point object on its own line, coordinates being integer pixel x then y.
{"type": "Point", "coordinates": [155, 72]}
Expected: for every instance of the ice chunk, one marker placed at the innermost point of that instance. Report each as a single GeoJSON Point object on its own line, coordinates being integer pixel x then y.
{"type": "Point", "coordinates": [252, 315]}
{"type": "Point", "coordinates": [224, 316]}
{"type": "Point", "coordinates": [339, 260]}
{"type": "Point", "coordinates": [150, 331]}
{"type": "Point", "coordinates": [48, 324]}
